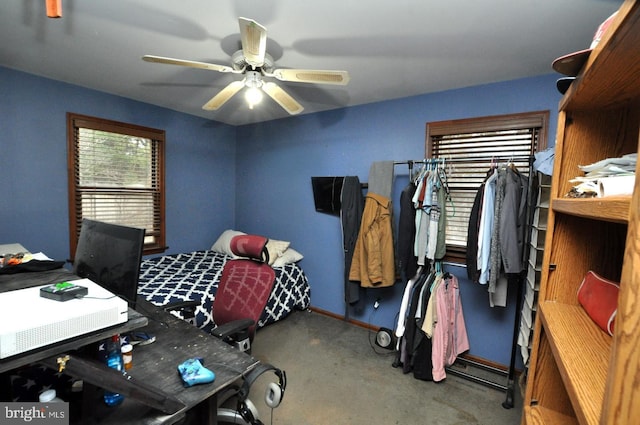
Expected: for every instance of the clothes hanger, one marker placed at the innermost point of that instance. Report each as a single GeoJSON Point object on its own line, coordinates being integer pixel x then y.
{"type": "Point", "coordinates": [492, 166]}
{"type": "Point", "coordinates": [418, 175]}
{"type": "Point", "coordinates": [512, 166]}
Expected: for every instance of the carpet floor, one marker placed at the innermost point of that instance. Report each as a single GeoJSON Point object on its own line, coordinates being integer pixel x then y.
{"type": "Point", "coordinates": [336, 375]}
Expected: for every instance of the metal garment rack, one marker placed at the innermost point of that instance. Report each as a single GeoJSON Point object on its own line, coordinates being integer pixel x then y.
{"type": "Point", "coordinates": [424, 161]}
{"type": "Point", "coordinates": [509, 388]}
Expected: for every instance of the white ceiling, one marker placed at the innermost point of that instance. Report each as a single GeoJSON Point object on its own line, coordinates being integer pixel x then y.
{"type": "Point", "coordinates": [391, 49]}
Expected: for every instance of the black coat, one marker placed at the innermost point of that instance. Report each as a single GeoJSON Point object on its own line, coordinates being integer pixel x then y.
{"type": "Point", "coordinates": [352, 205]}
{"type": "Point", "coordinates": [407, 261]}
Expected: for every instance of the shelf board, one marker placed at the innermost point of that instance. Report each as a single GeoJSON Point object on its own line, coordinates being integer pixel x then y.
{"type": "Point", "coordinates": [611, 75]}
{"type": "Point", "coordinates": [582, 352]}
{"type": "Point", "coordinates": [612, 208]}
{"type": "Point", "coordinates": [538, 415]}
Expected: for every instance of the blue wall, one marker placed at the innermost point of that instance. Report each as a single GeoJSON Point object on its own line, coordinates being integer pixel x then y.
{"type": "Point", "coordinates": [200, 168]}
{"type": "Point", "coordinates": [254, 178]}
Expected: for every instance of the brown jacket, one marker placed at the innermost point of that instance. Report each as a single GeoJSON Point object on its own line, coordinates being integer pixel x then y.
{"type": "Point", "coordinates": [373, 257]}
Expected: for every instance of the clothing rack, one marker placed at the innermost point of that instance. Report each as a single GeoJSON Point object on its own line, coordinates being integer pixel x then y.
{"type": "Point", "coordinates": [410, 162]}
{"type": "Point", "coordinates": [519, 158]}
{"type": "Point", "coordinates": [509, 388]}
{"type": "Point", "coordinates": [413, 161]}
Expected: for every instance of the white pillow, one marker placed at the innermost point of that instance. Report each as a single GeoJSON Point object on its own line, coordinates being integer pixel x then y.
{"type": "Point", "coordinates": [288, 257]}
{"type": "Point", "coordinates": [276, 248]}
{"type": "Point", "coordinates": [223, 244]}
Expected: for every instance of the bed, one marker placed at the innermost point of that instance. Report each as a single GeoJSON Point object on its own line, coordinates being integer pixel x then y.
{"type": "Point", "coordinates": [196, 275]}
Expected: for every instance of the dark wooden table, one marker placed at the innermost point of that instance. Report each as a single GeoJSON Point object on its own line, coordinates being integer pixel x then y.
{"type": "Point", "coordinates": [154, 392]}
{"type": "Point", "coordinates": [10, 282]}
{"type": "Point", "coordinates": [136, 320]}
{"type": "Point", "coordinates": [156, 365]}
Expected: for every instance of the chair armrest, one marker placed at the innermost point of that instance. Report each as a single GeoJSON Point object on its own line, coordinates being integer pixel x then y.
{"type": "Point", "coordinates": [180, 305]}
{"type": "Point", "coordinates": [188, 308]}
{"type": "Point", "coordinates": [233, 327]}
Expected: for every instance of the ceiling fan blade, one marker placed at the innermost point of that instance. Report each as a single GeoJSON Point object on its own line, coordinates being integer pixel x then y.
{"type": "Point", "coordinates": [254, 41]}
{"type": "Point", "coordinates": [192, 64]}
{"type": "Point", "coordinates": [312, 76]}
{"type": "Point", "coordinates": [282, 97]}
{"type": "Point", "coordinates": [225, 94]}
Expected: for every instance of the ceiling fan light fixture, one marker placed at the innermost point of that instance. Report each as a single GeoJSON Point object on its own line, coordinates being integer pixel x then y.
{"type": "Point", "coordinates": [253, 95]}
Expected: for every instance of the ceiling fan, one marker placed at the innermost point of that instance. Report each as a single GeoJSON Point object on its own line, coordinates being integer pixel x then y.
{"type": "Point", "coordinates": [255, 63]}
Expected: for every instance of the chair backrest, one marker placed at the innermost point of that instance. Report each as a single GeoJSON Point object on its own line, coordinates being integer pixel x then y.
{"type": "Point", "coordinates": [246, 283]}
{"type": "Point", "coordinates": [110, 255]}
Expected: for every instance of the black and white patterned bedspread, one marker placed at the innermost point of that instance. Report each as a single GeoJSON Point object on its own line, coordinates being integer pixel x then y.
{"type": "Point", "coordinates": [195, 276]}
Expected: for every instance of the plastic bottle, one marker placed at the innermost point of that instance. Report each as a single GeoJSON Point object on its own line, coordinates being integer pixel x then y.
{"type": "Point", "coordinates": [49, 396]}
{"type": "Point", "coordinates": [114, 360]}
{"type": "Point", "coordinates": [127, 356]}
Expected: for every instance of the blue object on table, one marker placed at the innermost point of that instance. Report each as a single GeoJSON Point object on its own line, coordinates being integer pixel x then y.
{"type": "Point", "coordinates": [193, 372]}
{"type": "Point", "coordinates": [114, 360]}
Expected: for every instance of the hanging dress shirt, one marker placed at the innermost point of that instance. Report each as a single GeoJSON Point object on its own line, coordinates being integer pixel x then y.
{"type": "Point", "coordinates": [486, 228]}
{"type": "Point", "coordinates": [450, 333]}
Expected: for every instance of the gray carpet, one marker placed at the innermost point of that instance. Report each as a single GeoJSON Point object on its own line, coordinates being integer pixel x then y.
{"type": "Point", "coordinates": [336, 377]}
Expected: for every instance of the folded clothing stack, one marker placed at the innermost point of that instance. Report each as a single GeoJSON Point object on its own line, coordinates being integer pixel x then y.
{"type": "Point", "coordinates": [608, 177]}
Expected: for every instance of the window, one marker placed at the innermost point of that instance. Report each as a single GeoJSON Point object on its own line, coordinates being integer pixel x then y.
{"type": "Point", "coordinates": [469, 147]}
{"type": "Point", "coordinates": [116, 175]}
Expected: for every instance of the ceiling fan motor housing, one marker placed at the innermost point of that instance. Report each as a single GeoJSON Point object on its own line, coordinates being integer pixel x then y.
{"type": "Point", "coordinates": [239, 63]}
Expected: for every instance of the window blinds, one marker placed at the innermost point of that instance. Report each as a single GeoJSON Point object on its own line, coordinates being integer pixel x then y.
{"type": "Point", "coordinates": [468, 157]}
{"type": "Point", "coordinates": [117, 177]}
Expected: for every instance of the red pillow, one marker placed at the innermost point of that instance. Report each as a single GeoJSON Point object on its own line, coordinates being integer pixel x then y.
{"type": "Point", "coordinates": [250, 246]}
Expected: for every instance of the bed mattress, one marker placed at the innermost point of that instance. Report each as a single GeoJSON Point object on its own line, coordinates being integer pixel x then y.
{"type": "Point", "coordinates": [196, 275]}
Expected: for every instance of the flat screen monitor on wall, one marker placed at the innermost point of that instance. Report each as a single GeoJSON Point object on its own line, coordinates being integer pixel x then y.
{"type": "Point", "coordinates": [109, 255]}
{"type": "Point", "coordinates": [327, 192]}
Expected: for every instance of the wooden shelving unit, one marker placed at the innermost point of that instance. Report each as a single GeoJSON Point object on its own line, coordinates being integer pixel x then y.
{"type": "Point", "coordinates": [582, 351]}
{"type": "Point", "coordinates": [614, 209]}
{"type": "Point", "coordinates": [579, 374]}
{"type": "Point", "coordinates": [542, 416]}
